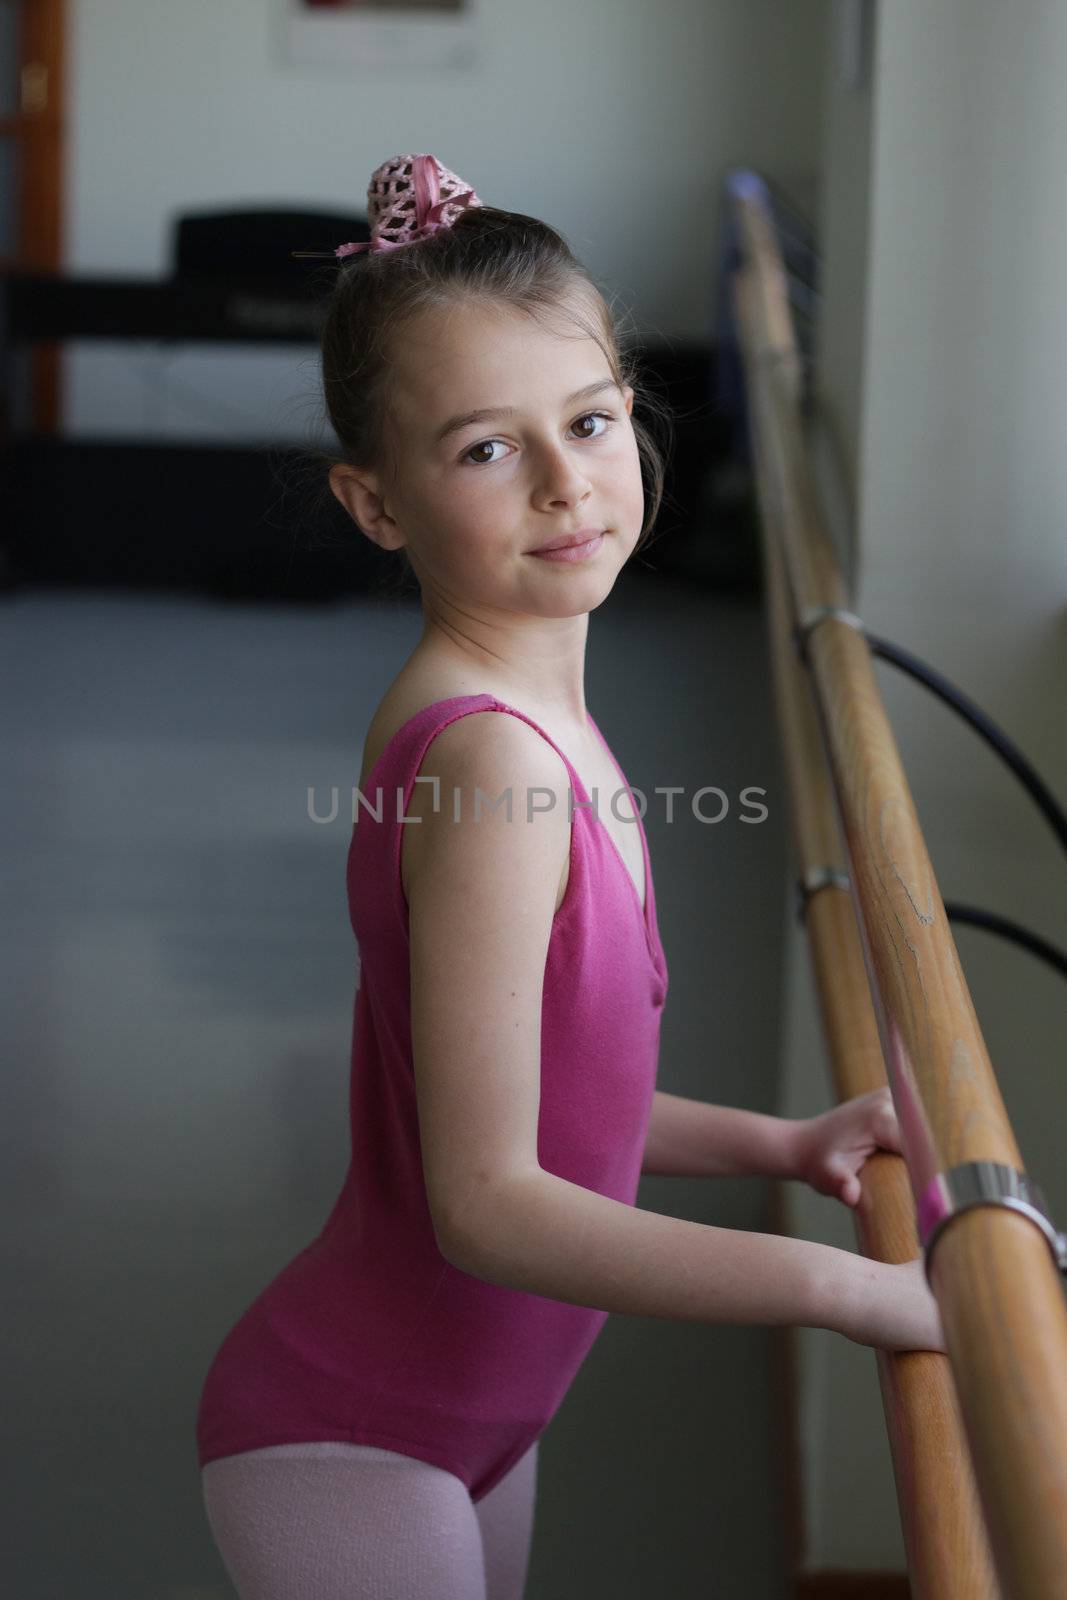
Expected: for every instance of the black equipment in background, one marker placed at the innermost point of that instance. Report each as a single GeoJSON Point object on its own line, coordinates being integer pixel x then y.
{"type": "Point", "coordinates": [252, 521]}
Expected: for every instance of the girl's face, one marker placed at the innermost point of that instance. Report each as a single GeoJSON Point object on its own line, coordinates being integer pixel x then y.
{"type": "Point", "coordinates": [552, 453]}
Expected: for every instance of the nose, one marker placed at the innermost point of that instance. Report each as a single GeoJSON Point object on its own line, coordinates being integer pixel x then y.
{"type": "Point", "coordinates": [561, 479]}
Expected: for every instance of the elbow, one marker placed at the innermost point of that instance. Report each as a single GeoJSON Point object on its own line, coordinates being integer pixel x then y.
{"type": "Point", "coordinates": [466, 1250]}
{"type": "Point", "coordinates": [451, 1246]}
{"type": "Point", "coordinates": [457, 1238]}
{"type": "Point", "coordinates": [483, 1235]}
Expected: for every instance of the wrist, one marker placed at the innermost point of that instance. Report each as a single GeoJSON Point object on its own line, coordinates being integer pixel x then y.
{"type": "Point", "coordinates": [857, 1297]}
{"type": "Point", "coordinates": [795, 1139]}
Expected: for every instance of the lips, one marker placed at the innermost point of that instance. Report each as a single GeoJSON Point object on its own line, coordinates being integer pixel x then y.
{"type": "Point", "coordinates": [566, 540]}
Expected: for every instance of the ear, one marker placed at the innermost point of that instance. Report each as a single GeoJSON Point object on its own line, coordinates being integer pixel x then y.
{"type": "Point", "coordinates": [359, 491]}
{"type": "Point", "coordinates": [628, 399]}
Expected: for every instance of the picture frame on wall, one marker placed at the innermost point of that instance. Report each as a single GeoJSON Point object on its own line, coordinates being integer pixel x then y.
{"type": "Point", "coordinates": [383, 5]}
{"type": "Point", "coordinates": [343, 35]}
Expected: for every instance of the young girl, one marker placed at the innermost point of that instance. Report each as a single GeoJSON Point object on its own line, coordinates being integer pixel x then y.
{"type": "Point", "coordinates": [369, 1427]}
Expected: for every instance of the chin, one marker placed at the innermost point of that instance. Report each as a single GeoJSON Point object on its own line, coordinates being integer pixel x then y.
{"type": "Point", "coordinates": [583, 593]}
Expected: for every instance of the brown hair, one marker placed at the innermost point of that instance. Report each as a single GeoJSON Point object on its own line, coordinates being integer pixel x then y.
{"type": "Point", "coordinates": [505, 257]}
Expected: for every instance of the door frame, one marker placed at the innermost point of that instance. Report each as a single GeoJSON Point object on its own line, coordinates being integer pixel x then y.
{"type": "Point", "coordinates": [38, 126]}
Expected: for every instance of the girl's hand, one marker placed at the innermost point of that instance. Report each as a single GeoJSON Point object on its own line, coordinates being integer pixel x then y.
{"type": "Point", "coordinates": [832, 1148]}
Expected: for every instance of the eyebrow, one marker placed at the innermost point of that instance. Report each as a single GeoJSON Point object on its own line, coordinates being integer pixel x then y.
{"type": "Point", "coordinates": [487, 413]}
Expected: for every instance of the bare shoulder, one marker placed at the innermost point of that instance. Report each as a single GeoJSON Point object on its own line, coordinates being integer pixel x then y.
{"type": "Point", "coordinates": [493, 772]}
{"type": "Point", "coordinates": [412, 691]}
{"type": "Point", "coordinates": [495, 744]}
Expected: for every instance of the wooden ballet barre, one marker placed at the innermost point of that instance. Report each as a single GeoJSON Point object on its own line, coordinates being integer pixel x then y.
{"type": "Point", "coordinates": [989, 1436]}
{"type": "Point", "coordinates": [944, 1535]}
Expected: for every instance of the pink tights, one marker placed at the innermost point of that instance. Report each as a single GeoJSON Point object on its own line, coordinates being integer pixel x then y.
{"type": "Point", "coordinates": [335, 1521]}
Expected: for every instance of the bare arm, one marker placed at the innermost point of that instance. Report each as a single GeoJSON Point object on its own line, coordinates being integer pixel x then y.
{"type": "Point", "coordinates": [691, 1139]}
{"type": "Point", "coordinates": [481, 902]}
{"type": "Point", "coordinates": [556, 1239]}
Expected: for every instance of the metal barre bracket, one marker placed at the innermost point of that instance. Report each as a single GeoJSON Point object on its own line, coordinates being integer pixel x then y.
{"type": "Point", "coordinates": [984, 1183]}
{"type": "Point", "coordinates": [811, 618]}
{"type": "Point", "coordinates": [817, 878]}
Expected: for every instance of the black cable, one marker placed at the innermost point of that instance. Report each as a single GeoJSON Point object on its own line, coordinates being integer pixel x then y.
{"type": "Point", "coordinates": [972, 713]}
{"type": "Point", "coordinates": [1034, 785]}
{"type": "Point", "coordinates": [1014, 931]}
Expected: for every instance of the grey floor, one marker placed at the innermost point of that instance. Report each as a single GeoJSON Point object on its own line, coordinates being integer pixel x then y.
{"type": "Point", "coordinates": [178, 974]}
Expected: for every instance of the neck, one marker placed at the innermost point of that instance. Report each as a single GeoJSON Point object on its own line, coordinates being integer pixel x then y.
{"type": "Point", "coordinates": [538, 667]}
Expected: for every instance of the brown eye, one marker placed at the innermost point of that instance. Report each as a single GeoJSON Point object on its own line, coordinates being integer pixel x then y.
{"type": "Point", "coordinates": [595, 416]}
{"type": "Point", "coordinates": [481, 461]}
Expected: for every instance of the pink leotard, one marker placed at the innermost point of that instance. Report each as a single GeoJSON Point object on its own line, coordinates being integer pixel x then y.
{"type": "Point", "coordinates": [369, 1334]}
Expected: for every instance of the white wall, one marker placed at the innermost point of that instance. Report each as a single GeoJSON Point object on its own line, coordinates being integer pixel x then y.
{"type": "Point", "coordinates": [613, 119]}
{"type": "Point", "coordinates": [950, 279]}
